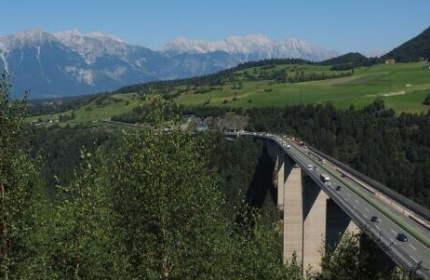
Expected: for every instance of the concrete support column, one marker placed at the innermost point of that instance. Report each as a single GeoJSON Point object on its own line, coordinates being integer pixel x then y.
{"type": "Point", "coordinates": [353, 228]}
{"type": "Point", "coordinates": [280, 167]}
{"type": "Point", "coordinates": [293, 214]}
{"type": "Point", "coordinates": [315, 222]}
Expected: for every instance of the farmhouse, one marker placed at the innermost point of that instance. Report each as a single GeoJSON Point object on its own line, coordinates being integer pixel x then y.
{"type": "Point", "coordinates": [390, 61]}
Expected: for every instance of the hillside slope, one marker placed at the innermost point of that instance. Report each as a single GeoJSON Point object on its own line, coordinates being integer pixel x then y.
{"type": "Point", "coordinates": [416, 49]}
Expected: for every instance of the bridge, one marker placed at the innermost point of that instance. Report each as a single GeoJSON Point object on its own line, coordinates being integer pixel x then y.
{"type": "Point", "coordinates": [322, 199]}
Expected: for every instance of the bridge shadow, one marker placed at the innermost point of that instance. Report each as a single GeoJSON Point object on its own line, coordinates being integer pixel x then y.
{"type": "Point", "coordinates": [311, 193]}
{"type": "Point", "coordinates": [261, 193]}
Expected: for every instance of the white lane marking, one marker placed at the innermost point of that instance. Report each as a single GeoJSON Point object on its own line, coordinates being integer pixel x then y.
{"type": "Point", "coordinates": [354, 207]}
{"type": "Point", "coordinates": [413, 247]}
{"type": "Point", "coordinates": [348, 194]}
{"type": "Point", "coordinates": [413, 258]}
{"type": "Point", "coordinates": [365, 215]}
{"type": "Point", "coordinates": [346, 199]}
{"type": "Point", "coordinates": [356, 201]}
{"type": "Point", "coordinates": [393, 231]}
{"type": "Point", "coordinates": [367, 210]}
{"type": "Point", "coordinates": [393, 242]}
{"type": "Point", "coordinates": [377, 227]}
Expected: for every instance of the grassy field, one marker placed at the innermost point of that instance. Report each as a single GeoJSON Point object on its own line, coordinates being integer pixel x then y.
{"type": "Point", "coordinates": [403, 87]}
{"type": "Point", "coordinates": [98, 109]}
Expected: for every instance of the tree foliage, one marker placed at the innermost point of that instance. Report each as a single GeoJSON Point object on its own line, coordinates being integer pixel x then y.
{"type": "Point", "coordinates": [20, 192]}
{"type": "Point", "coordinates": [427, 100]}
{"type": "Point", "coordinates": [150, 205]}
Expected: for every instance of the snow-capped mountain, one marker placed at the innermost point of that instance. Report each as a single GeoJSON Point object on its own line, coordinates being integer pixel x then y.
{"type": "Point", "coordinates": [255, 46]}
{"type": "Point", "coordinates": [71, 63]}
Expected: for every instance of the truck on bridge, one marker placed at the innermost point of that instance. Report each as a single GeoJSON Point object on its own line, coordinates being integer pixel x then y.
{"type": "Point", "coordinates": [325, 178]}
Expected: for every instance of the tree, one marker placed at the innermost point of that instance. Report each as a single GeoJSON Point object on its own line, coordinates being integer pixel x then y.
{"type": "Point", "coordinates": [169, 212]}
{"type": "Point", "coordinates": [427, 100]}
{"type": "Point", "coordinates": [82, 240]}
{"type": "Point", "coordinates": [20, 190]}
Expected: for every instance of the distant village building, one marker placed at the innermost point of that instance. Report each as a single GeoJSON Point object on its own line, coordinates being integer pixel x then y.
{"type": "Point", "coordinates": [390, 61]}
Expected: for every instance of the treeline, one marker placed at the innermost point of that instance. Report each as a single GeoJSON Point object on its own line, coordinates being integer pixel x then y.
{"type": "Point", "coordinates": [394, 150]}
{"type": "Point", "coordinates": [350, 61]}
{"type": "Point", "coordinates": [60, 105]}
{"type": "Point", "coordinates": [207, 80]}
{"type": "Point", "coordinates": [138, 114]}
{"type": "Point", "coordinates": [291, 75]}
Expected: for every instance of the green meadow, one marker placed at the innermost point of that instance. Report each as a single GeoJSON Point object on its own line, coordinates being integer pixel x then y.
{"type": "Point", "coordinates": [98, 109]}
{"type": "Point", "coordinates": [402, 86]}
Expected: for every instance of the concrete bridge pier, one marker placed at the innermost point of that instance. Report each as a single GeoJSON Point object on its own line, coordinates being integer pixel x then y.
{"type": "Point", "coordinates": [293, 213]}
{"type": "Point", "coordinates": [275, 152]}
{"type": "Point", "coordinates": [280, 167]}
{"type": "Point", "coordinates": [313, 223]}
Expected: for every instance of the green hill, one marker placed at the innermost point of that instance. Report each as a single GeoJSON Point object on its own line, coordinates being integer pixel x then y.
{"type": "Point", "coordinates": [416, 49]}
{"type": "Point", "coordinates": [402, 86]}
{"type": "Point", "coordinates": [349, 61]}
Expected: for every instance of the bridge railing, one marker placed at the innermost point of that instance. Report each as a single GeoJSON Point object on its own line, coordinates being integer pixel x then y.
{"type": "Point", "coordinates": [396, 254]}
{"type": "Point", "coordinates": [404, 201]}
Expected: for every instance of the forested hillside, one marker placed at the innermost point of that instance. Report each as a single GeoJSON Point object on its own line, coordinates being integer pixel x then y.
{"type": "Point", "coordinates": [143, 205]}
{"type": "Point", "coordinates": [349, 61]}
{"type": "Point", "coordinates": [416, 49]}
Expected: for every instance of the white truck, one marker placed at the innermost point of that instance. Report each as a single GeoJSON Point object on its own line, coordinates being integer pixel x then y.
{"type": "Point", "coordinates": [325, 178]}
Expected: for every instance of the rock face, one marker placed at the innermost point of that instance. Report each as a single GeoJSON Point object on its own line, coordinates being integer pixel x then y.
{"type": "Point", "coordinates": [70, 63]}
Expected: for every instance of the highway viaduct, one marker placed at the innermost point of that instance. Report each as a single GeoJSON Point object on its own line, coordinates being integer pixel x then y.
{"type": "Point", "coordinates": [317, 213]}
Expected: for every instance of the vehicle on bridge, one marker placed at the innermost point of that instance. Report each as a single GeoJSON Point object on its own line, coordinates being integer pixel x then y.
{"type": "Point", "coordinates": [402, 237]}
{"type": "Point", "coordinates": [325, 178]}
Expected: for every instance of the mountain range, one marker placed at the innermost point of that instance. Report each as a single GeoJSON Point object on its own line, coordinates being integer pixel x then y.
{"type": "Point", "coordinates": [70, 63]}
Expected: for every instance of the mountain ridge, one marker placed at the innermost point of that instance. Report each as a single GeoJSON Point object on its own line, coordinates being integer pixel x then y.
{"type": "Point", "coordinates": [72, 63]}
{"type": "Point", "coordinates": [415, 49]}
{"type": "Point", "coordinates": [251, 44]}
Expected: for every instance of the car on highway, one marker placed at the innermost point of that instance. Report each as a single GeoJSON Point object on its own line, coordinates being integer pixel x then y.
{"type": "Point", "coordinates": [338, 188]}
{"type": "Point", "coordinates": [374, 219]}
{"type": "Point", "coordinates": [402, 237]}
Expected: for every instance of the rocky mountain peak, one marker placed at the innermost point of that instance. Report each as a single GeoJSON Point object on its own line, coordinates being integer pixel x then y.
{"type": "Point", "coordinates": [255, 47]}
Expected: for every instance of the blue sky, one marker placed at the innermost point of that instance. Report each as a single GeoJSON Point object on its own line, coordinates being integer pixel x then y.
{"type": "Point", "coordinates": [344, 25]}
